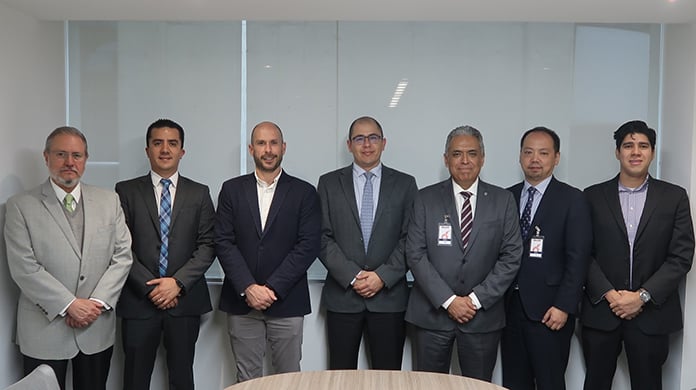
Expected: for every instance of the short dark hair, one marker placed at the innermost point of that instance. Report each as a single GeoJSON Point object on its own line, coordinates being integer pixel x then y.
{"type": "Point", "coordinates": [634, 127]}
{"type": "Point", "coordinates": [65, 130]}
{"type": "Point", "coordinates": [160, 123]}
{"type": "Point", "coordinates": [541, 129]}
{"type": "Point", "coordinates": [363, 119]}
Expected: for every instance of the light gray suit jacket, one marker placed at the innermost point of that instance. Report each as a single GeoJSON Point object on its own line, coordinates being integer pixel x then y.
{"type": "Point", "coordinates": [51, 269]}
{"type": "Point", "coordinates": [342, 249]}
{"type": "Point", "coordinates": [487, 267]}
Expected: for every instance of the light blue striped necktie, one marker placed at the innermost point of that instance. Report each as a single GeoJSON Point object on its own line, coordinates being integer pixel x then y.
{"type": "Point", "coordinates": [366, 209]}
{"type": "Point", "coordinates": [165, 217]}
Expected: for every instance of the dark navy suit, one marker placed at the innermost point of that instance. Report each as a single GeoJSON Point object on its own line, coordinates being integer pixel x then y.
{"type": "Point", "coordinates": [533, 355]}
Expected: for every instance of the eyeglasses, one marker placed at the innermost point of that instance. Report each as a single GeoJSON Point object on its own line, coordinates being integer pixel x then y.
{"type": "Point", "coordinates": [63, 155]}
{"type": "Point", "coordinates": [372, 138]}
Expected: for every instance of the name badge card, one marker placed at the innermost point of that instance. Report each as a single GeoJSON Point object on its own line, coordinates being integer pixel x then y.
{"type": "Point", "coordinates": [444, 233]}
{"type": "Point", "coordinates": [536, 245]}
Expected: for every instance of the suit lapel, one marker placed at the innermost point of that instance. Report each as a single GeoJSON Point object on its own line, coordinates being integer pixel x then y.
{"type": "Point", "coordinates": [281, 191]}
{"type": "Point", "coordinates": [148, 195]}
{"type": "Point", "coordinates": [385, 192]}
{"type": "Point", "coordinates": [346, 181]}
{"type": "Point", "coordinates": [55, 208]}
{"type": "Point", "coordinates": [450, 210]}
{"type": "Point", "coordinates": [182, 192]}
{"type": "Point", "coordinates": [651, 202]}
{"type": "Point", "coordinates": [543, 208]}
{"type": "Point", "coordinates": [611, 194]}
{"type": "Point", "coordinates": [89, 203]}
{"type": "Point", "coordinates": [253, 201]}
{"type": "Point", "coordinates": [483, 208]}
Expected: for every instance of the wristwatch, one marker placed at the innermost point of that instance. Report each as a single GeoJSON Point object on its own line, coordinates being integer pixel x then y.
{"type": "Point", "coordinates": [644, 295]}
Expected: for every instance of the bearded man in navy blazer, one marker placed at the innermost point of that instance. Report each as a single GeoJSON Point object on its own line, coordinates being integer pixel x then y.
{"type": "Point", "coordinates": [542, 303]}
{"type": "Point", "coordinates": [267, 233]}
{"type": "Point", "coordinates": [165, 301]}
{"type": "Point", "coordinates": [464, 249]}
{"type": "Point", "coordinates": [365, 291]}
{"type": "Point", "coordinates": [643, 247]}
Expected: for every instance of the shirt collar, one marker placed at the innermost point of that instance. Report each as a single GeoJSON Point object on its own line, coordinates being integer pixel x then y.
{"type": "Point", "coordinates": [473, 189]}
{"type": "Point", "coordinates": [640, 188]}
{"type": "Point", "coordinates": [156, 178]}
{"type": "Point", "coordinates": [541, 187]}
{"type": "Point", "coordinates": [60, 193]}
{"type": "Point", "coordinates": [377, 171]}
{"type": "Point", "coordinates": [262, 183]}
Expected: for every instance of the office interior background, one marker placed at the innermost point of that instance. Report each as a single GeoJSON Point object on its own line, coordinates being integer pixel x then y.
{"type": "Point", "coordinates": [579, 67]}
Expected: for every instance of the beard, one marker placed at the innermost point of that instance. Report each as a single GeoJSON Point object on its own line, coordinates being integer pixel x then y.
{"type": "Point", "coordinates": [263, 168]}
{"type": "Point", "coordinates": [68, 183]}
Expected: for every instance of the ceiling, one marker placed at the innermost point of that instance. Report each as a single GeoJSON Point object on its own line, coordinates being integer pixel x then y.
{"type": "Point", "coordinates": [588, 11]}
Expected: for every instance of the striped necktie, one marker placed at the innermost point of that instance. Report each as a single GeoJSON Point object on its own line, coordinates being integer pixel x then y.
{"type": "Point", "coordinates": [467, 218]}
{"type": "Point", "coordinates": [165, 218]}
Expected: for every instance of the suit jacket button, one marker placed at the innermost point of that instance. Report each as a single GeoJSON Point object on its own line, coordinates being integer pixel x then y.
{"type": "Point", "coordinates": [82, 277]}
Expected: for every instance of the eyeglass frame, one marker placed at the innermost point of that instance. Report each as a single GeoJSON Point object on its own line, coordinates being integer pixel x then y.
{"type": "Point", "coordinates": [371, 138]}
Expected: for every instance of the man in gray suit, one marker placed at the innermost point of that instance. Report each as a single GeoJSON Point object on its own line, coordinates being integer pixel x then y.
{"type": "Point", "coordinates": [365, 208]}
{"type": "Point", "coordinates": [68, 250]}
{"type": "Point", "coordinates": [464, 249]}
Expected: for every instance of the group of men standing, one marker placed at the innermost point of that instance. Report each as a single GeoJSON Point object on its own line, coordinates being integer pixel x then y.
{"type": "Point", "coordinates": [491, 266]}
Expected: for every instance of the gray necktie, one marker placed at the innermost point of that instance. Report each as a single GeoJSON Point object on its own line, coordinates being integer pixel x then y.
{"type": "Point", "coordinates": [366, 209]}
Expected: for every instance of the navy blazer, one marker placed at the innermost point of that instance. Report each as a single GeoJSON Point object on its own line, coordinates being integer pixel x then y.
{"type": "Point", "coordinates": [663, 251]}
{"type": "Point", "coordinates": [191, 247]}
{"type": "Point", "coordinates": [557, 278]}
{"type": "Point", "coordinates": [277, 256]}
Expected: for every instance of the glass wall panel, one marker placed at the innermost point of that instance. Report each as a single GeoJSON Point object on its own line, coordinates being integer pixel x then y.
{"type": "Point", "coordinates": [419, 79]}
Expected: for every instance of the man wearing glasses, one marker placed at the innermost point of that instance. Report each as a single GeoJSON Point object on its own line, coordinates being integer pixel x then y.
{"type": "Point", "coordinates": [365, 208]}
{"type": "Point", "coordinates": [68, 250]}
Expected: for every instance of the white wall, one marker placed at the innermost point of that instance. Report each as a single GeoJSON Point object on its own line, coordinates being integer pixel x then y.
{"type": "Point", "coordinates": [678, 150]}
{"type": "Point", "coordinates": [32, 104]}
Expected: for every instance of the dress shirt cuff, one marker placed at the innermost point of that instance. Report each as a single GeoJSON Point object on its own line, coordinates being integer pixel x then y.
{"type": "Point", "coordinates": [352, 282]}
{"type": "Point", "coordinates": [448, 302]}
{"type": "Point", "coordinates": [475, 300]}
{"type": "Point", "coordinates": [105, 307]}
{"type": "Point", "coordinates": [602, 298]}
{"type": "Point", "coordinates": [65, 310]}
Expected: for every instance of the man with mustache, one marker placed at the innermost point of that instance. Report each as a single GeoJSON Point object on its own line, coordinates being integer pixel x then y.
{"type": "Point", "coordinates": [68, 250]}
{"type": "Point", "coordinates": [464, 249]}
{"type": "Point", "coordinates": [171, 219]}
{"type": "Point", "coordinates": [267, 233]}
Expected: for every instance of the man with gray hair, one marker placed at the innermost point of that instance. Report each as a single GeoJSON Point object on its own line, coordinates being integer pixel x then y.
{"type": "Point", "coordinates": [464, 250]}
{"type": "Point", "coordinates": [68, 250]}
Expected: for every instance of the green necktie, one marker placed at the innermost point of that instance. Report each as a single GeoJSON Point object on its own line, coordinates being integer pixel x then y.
{"type": "Point", "coordinates": [68, 202]}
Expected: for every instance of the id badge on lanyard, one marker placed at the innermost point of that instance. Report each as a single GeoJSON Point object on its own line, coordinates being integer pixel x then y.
{"type": "Point", "coordinates": [536, 244]}
{"type": "Point", "coordinates": [444, 232]}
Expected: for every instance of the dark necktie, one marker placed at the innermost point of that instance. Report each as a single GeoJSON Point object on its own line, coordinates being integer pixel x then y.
{"type": "Point", "coordinates": [526, 219]}
{"type": "Point", "coordinates": [366, 209]}
{"type": "Point", "coordinates": [165, 218]}
{"type": "Point", "coordinates": [467, 218]}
